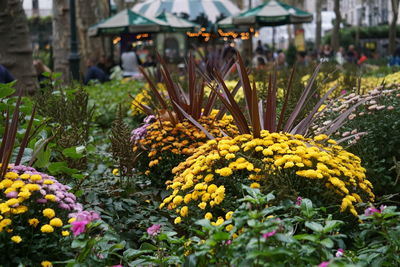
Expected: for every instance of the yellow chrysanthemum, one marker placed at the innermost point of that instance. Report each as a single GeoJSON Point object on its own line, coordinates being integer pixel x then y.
{"type": "Point", "coordinates": [47, 228]}
{"type": "Point", "coordinates": [49, 213]}
{"type": "Point", "coordinates": [16, 239]}
{"type": "Point", "coordinates": [57, 222]}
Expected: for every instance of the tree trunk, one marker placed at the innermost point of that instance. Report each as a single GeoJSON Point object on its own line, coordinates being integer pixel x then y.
{"type": "Point", "coordinates": [15, 44]}
{"type": "Point", "coordinates": [90, 12]}
{"type": "Point", "coordinates": [392, 28]}
{"type": "Point", "coordinates": [61, 38]}
{"type": "Point", "coordinates": [120, 5]}
{"type": "Point", "coordinates": [335, 39]}
{"type": "Point", "coordinates": [318, 28]}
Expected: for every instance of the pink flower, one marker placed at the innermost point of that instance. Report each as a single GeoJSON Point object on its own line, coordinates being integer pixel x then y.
{"type": "Point", "coordinates": [154, 229]}
{"type": "Point", "coordinates": [228, 242]}
{"type": "Point", "coordinates": [343, 92]}
{"type": "Point", "coordinates": [371, 211]}
{"type": "Point", "coordinates": [339, 253]}
{"type": "Point", "coordinates": [12, 194]}
{"type": "Point", "coordinates": [119, 265]}
{"type": "Point", "coordinates": [324, 264]}
{"type": "Point", "coordinates": [382, 207]}
{"type": "Point", "coordinates": [298, 201]}
{"type": "Point", "coordinates": [269, 234]}
{"type": "Point", "coordinates": [78, 227]}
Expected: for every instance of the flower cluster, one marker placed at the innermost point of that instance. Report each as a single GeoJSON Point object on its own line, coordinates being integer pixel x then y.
{"type": "Point", "coordinates": [33, 200]}
{"type": "Point", "coordinates": [366, 84]}
{"type": "Point", "coordinates": [167, 144]}
{"type": "Point", "coordinates": [208, 182]}
{"type": "Point", "coordinates": [81, 219]}
{"type": "Point", "coordinates": [374, 101]}
{"type": "Point", "coordinates": [144, 97]}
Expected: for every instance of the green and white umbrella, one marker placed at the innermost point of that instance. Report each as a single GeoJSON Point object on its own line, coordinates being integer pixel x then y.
{"type": "Point", "coordinates": [128, 21]}
{"type": "Point", "coordinates": [272, 13]}
{"type": "Point", "coordinates": [193, 8]}
{"type": "Point", "coordinates": [176, 23]}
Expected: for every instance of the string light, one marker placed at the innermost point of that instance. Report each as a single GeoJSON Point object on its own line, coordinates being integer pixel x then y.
{"type": "Point", "coordinates": [116, 40]}
{"type": "Point", "coordinates": [142, 35]}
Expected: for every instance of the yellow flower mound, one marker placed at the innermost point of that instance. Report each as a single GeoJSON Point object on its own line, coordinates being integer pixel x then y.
{"type": "Point", "coordinates": [182, 138]}
{"type": "Point", "coordinates": [207, 178]}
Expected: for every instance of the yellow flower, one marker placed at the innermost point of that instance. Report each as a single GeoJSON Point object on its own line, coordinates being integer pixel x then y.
{"type": "Point", "coordinates": [208, 216]}
{"type": "Point", "coordinates": [184, 211]}
{"type": "Point", "coordinates": [48, 181]}
{"type": "Point", "coordinates": [229, 227]}
{"type": "Point", "coordinates": [47, 228]}
{"type": "Point", "coordinates": [212, 188]}
{"type": "Point", "coordinates": [72, 220]}
{"type": "Point", "coordinates": [12, 201]}
{"type": "Point", "coordinates": [225, 171]}
{"type": "Point", "coordinates": [218, 222]}
{"type": "Point", "coordinates": [228, 215]}
{"type": "Point", "coordinates": [16, 238]}
{"type": "Point", "coordinates": [177, 220]}
{"type": "Point", "coordinates": [25, 176]}
{"type": "Point", "coordinates": [11, 175]}
{"type": "Point", "coordinates": [32, 187]}
{"type": "Point", "coordinates": [202, 205]}
{"type": "Point", "coordinates": [36, 177]}
{"type": "Point", "coordinates": [255, 185]}
{"type": "Point", "coordinates": [177, 200]}
{"type": "Point", "coordinates": [49, 213]}
{"type": "Point", "coordinates": [24, 194]}
{"type": "Point", "coordinates": [115, 172]}
{"type": "Point", "coordinates": [56, 222]}
{"type": "Point", "coordinates": [34, 222]}
{"type": "Point", "coordinates": [65, 233]}
{"type": "Point", "coordinates": [50, 197]}
{"type": "Point", "coordinates": [46, 264]}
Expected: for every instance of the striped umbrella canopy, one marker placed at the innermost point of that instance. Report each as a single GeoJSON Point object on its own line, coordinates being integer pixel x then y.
{"type": "Point", "coordinates": [212, 8]}
{"type": "Point", "coordinates": [273, 13]}
{"type": "Point", "coordinates": [176, 23]}
{"type": "Point", "coordinates": [128, 21]}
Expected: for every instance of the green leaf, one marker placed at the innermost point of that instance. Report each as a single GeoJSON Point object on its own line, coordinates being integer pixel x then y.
{"type": "Point", "coordinates": [331, 225]}
{"type": "Point", "coordinates": [77, 243]}
{"type": "Point", "coordinates": [147, 246]}
{"type": "Point", "coordinates": [316, 227]}
{"type": "Point", "coordinates": [6, 90]}
{"type": "Point", "coordinates": [78, 176]}
{"type": "Point", "coordinates": [308, 237]}
{"type": "Point", "coordinates": [61, 167]}
{"type": "Point", "coordinates": [74, 152]}
{"type": "Point", "coordinates": [221, 236]}
{"type": "Point", "coordinates": [43, 158]}
{"type": "Point", "coordinates": [307, 208]}
{"type": "Point", "coordinates": [327, 243]}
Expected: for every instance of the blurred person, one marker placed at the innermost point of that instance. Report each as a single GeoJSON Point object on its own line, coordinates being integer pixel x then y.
{"type": "Point", "coordinates": [130, 63]}
{"type": "Point", "coordinates": [352, 55]}
{"type": "Point", "coordinates": [362, 59]}
{"type": "Point", "coordinates": [327, 53]}
{"type": "Point", "coordinates": [5, 75]}
{"type": "Point", "coordinates": [106, 64]}
{"type": "Point", "coordinates": [340, 56]}
{"type": "Point", "coordinates": [259, 58]}
{"type": "Point", "coordinates": [94, 73]}
{"type": "Point", "coordinates": [281, 61]}
{"type": "Point", "coordinates": [150, 61]}
{"type": "Point", "coordinates": [269, 56]}
{"type": "Point", "coordinates": [261, 63]}
{"type": "Point", "coordinates": [301, 59]}
{"type": "Point", "coordinates": [395, 58]}
{"type": "Point", "coordinates": [260, 48]}
{"type": "Point", "coordinates": [40, 68]}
